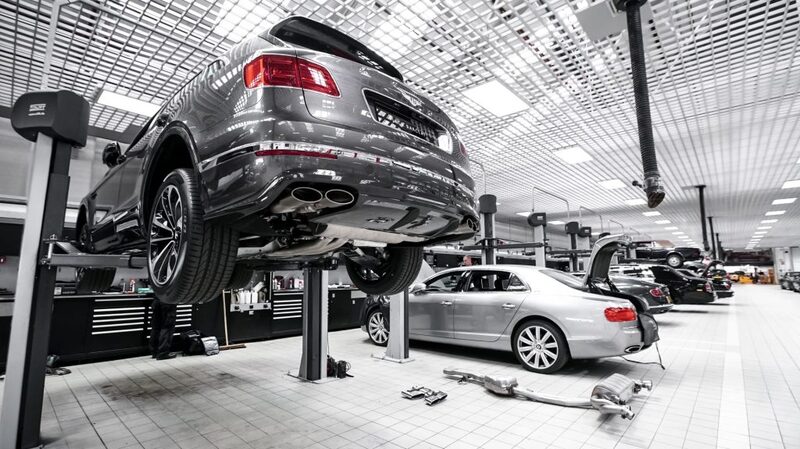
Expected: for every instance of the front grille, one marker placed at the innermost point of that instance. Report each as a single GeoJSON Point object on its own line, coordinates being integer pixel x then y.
{"type": "Point", "coordinates": [402, 118]}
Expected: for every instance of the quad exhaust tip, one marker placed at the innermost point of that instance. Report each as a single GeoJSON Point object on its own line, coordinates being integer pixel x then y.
{"type": "Point", "coordinates": [308, 195]}
{"type": "Point", "coordinates": [339, 197]}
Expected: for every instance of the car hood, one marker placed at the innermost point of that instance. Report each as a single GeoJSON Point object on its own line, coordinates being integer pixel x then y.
{"type": "Point", "coordinates": [711, 264]}
{"type": "Point", "coordinates": [602, 253]}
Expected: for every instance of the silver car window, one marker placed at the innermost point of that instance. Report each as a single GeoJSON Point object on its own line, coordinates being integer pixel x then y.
{"type": "Point", "coordinates": [448, 282]}
{"type": "Point", "coordinates": [494, 281]}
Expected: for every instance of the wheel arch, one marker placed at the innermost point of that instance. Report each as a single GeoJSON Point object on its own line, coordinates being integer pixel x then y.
{"type": "Point", "coordinates": [528, 318]}
{"type": "Point", "coordinates": [175, 148]}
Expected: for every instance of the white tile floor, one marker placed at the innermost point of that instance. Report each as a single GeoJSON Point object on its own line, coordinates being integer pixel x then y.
{"type": "Point", "coordinates": [732, 381]}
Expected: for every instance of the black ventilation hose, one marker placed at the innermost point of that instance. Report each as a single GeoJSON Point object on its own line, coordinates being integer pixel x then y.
{"type": "Point", "coordinates": [652, 179]}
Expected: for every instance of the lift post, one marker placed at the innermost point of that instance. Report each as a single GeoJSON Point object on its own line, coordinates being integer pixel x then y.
{"type": "Point", "coordinates": [487, 206]}
{"type": "Point", "coordinates": [538, 221]}
{"type": "Point", "coordinates": [55, 121]}
{"type": "Point", "coordinates": [314, 360]}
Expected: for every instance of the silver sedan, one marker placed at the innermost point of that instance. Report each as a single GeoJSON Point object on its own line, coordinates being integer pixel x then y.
{"type": "Point", "coordinates": [544, 316]}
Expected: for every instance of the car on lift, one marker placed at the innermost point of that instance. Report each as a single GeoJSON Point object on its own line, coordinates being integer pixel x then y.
{"type": "Point", "coordinates": [297, 145]}
{"type": "Point", "coordinates": [545, 317]}
{"type": "Point", "coordinates": [672, 256]}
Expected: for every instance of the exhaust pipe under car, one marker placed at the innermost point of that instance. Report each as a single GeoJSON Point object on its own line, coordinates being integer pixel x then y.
{"type": "Point", "coordinates": [308, 199]}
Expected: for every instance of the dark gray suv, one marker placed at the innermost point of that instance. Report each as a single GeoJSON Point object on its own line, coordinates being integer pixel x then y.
{"type": "Point", "coordinates": [295, 146]}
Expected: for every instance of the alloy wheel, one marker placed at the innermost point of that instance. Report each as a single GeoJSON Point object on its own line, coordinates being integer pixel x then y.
{"type": "Point", "coordinates": [538, 347]}
{"type": "Point", "coordinates": [166, 235]}
{"type": "Point", "coordinates": [377, 328]}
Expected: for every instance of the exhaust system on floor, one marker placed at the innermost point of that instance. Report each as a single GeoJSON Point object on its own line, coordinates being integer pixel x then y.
{"type": "Point", "coordinates": [610, 396]}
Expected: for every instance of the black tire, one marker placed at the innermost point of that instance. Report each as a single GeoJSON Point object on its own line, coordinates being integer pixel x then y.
{"type": "Point", "coordinates": [675, 260]}
{"type": "Point", "coordinates": [194, 261]}
{"type": "Point", "coordinates": [538, 360]}
{"type": "Point", "coordinates": [376, 328]}
{"type": "Point", "coordinates": [399, 267]}
{"type": "Point", "coordinates": [241, 277]}
{"type": "Point", "coordinates": [87, 279]}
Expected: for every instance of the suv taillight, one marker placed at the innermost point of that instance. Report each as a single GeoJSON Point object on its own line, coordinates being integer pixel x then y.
{"type": "Point", "coordinates": [620, 314]}
{"type": "Point", "coordinates": [288, 71]}
{"type": "Point", "coordinates": [656, 292]}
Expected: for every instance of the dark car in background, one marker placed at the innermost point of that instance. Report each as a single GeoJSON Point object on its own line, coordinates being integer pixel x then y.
{"type": "Point", "coordinates": [672, 256]}
{"type": "Point", "coordinates": [721, 285]}
{"type": "Point", "coordinates": [656, 296]}
{"type": "Point", "coordinates": [685, 288]}
{"type": "Point", "coordinates": [296, 144]}
{"type": "Point", "coordinates": [790, 281]}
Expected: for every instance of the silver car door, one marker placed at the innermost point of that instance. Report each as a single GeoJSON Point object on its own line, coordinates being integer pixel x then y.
{"type": "Point", "coordinates": [430, 311]}
{"type": "Point", "coordinates": [487, 305]}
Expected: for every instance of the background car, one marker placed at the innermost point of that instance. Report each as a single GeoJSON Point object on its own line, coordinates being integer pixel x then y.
{"type": "Point", "coordinates": [685, 289]}
{"type": "Point", "coordinates": [656, 296]}
{"type": "Point", "coordinates": [721, 285]}
{"type": "Point", "coordinates": [544, 316]}
{"type": "Point", "coordinates": [226, 178]}
{"type": "Point", "coordinates": [788, 279]}
{"type": "Point", "coordinates": [673, 256]}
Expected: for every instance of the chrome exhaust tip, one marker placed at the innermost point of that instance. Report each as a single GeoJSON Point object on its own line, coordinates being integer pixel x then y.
{"type": "Point", "coordinates": [632, 349]}
{"type": "Point", "coordinates": [308, 195]}
{"type": "Point", "coordinates": [339, 197]}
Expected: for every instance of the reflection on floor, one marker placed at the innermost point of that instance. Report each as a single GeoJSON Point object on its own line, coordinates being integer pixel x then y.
{"type": "Point", "coordinates": [732, 380]}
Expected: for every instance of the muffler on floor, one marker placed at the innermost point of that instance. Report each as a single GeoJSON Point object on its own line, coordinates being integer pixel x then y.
{"type": "Point", "coordinates": [610, 396]}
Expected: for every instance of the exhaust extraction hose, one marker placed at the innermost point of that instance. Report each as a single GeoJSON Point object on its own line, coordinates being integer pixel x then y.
{"type": "Point", "coordinates": [652, 179]}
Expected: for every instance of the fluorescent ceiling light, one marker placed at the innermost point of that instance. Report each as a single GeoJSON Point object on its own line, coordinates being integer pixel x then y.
{"type": "Point", "coordinates": [678, 233]}
{"type": "Point", "coordinates": [671, 228]}
{"type": "Point", "coordinates": [662, 222]}
{"type": "Point", "coordinates": [652, 213]}
{"type": "Point", "coordinates": [118, 101]}
{"type": "Point", "coordinates": [596, 233]}
{"type": "Point", "coordinates": [556, 222]}
{"type": "Point", "coordinates": [523, 214]}
{"type": "Point", "coordinates": [496, 98]}
{"type": "Point", "coordinates": [764, 227]}
{"type": "Point", "coordinates": [612, 184]}
{"type": "Point", "coordinates": [772, 220]}
{"type": "Point", "coordinates": [784, 201]}
{"type": "Point", "coordinates": [775, 212]}
{"type": "Point", "coordinates": [760, 232]}
{"type": "Point", "coordinates": [573, 155]}
{"type": "Point", "coordinates": [635, 202]}
{"type": "Point", "coordinates": [793, 184]}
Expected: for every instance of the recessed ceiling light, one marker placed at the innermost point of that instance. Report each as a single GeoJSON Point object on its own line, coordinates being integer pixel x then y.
{"type": "Point", "coordinates": [652, 213]}
{"type": "Point", "coordinates": [771, 220]}
{"type": "Point", "coordinates": [126, 103]}
{"type": "Point", "coordinates": [764, 227]}
{"type": "Point", "coordinates": [671, 228]}
{"type": "Point", "coordinates": [775, 212]}
{"type": "Point", "coordinates": [760, 232]}
{"type": "Point", "coordinates": [635, 202]}
{"type": "Point", "coordinates": [596, 233]}
{"type": "Point", "coordinates": [612, 184]}
{"type": "Point", "coordinates": [791, 184]}
{"type": "Point", "coordinates": [662, 222]}
{"type": "Point", "coordinates": [678, 233]}
{"type": "Point", "coordinates": [573, 155]}
{"type": "Point", "coordinates": [523, 214]}
{"type": "Point", "coordinates": [496, 98]}
{"type": "Point", "coordinates": [556, 222]}
{"type": "Point", "coordinates": [784, 201]}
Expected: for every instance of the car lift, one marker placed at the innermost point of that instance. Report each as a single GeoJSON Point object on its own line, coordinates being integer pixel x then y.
{"type": "Point", "coordinates": [56, 122]}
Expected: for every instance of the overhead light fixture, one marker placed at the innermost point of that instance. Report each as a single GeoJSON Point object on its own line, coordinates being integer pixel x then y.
{"type": "Point", "coordinates": [772, 220]}
{"type": "Point", "coordinates": [760, 232]}
{"type": "Point", "coordinates": [126, 103]}
{"type": "Point", "coordinates": [523, 214]}
{"type": "Point", "coordinates": [671, 228]}
{"type": "Point", "coordinates": [764, 227]}
{"type": "Point", "coordinates": [652, 213]}
{"type": "Point", "coordinates": [612, 184]}
{"type": "Point", "coordinates": [496, 98]}
{"type": "Point", "coordinates": [678, 233]}
{"type": "Point", "coordinates": [556, 222]}
{"type": "Point", "coordinates": [793, 184]}
{"type": "Point", "coordinates": [573, 155]}
{"type": "Point", "coordinates": [784, 201]}
{"type": "Point", "coordinates": [775, 212]}
{"type": "Point", "coordinates": [596, 233]}
{"type": "Point", "coordinates": [662, 222]}
{"type": "Point", "coordinates": [635, 202]}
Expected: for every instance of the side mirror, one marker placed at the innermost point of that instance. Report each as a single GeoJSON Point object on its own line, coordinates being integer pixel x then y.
{"type": "Point", "coordinates": [418, 288]}
{"type": "Point", "coordinates": [112, 154]}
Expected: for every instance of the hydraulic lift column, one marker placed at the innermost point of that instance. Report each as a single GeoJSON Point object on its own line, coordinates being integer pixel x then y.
{"type": "Point", "coordinates": [538, 220]}
{"type": "Point", "coordinates": [584, 243]}
{"type": "Point", "coordinates": [314, 361]}
{"type": "Point", "coordinates": [487, 206]}
{"type": "Point", "coordinates": [56, 121]}
{"type": "Point", "coordinates": [572, 228]}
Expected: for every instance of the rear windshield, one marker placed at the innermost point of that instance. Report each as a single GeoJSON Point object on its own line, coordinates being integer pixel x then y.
{"type": "Point", "coordinates": [565, 278]}
{"type": "Point", "coordinates": [318, 37]}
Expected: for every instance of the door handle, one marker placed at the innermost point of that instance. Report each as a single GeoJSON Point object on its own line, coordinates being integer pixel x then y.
{"type": "Point", "coordinates": [508, 306]}
{"type": "Point", "coordinates": [447, 303]}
